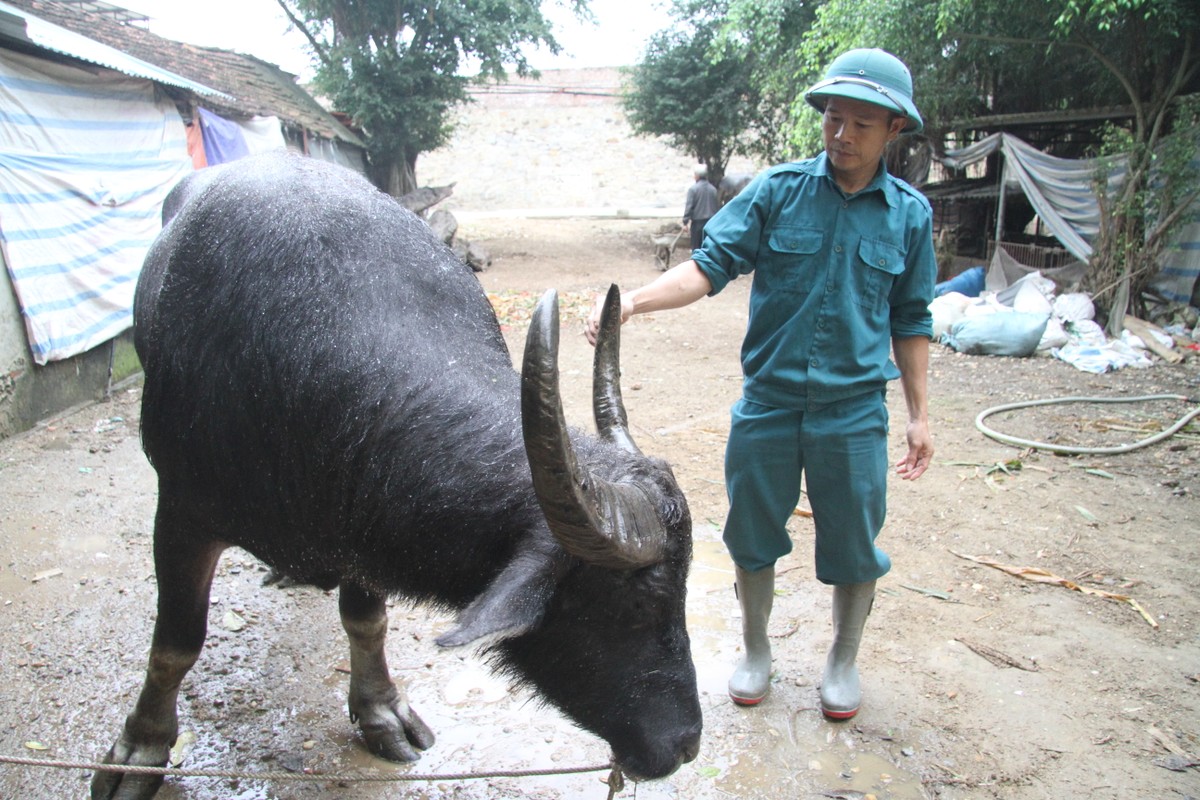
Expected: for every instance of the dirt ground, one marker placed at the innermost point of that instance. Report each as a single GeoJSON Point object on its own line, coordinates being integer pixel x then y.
{"type": "Point", "coordinates": [978, 683]}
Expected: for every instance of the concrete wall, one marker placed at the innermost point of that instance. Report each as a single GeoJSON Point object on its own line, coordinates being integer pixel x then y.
{"type": "Point", "coordinates": [30, 393]}
{"type": "Point", "coordinates": [558, 143]}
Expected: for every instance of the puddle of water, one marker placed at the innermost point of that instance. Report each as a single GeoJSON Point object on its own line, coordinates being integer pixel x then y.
{"type": "Point", "coordinates": [712, 615]}
{"type": "Point", "coordinates": [11, 584]}
{"type": "Point", "coordinates": [711, 603]}
{"type": "Point", "coordinates": [799, 754]}
{"type": "Point", "coordinates": [784, 748]}
{"type": "Point", "coordinates": [712, 571]}
{"type": "Point", "coordinates": [474, 685]}
{"type": "Point", "coordinates": [85, 543]}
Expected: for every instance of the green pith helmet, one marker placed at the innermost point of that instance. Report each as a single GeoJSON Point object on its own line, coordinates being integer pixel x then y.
{"type": "Point", "coordinates": [873, 76]}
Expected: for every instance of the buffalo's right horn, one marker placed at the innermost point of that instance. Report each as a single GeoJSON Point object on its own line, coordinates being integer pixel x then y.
{"type": "Point", "coordinates": [611, 419]}
{"type": "Point", "coordinates": [611, 524]}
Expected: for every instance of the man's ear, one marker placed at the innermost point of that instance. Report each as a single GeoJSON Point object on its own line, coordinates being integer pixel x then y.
{"type": "Point", "coordinates": [513, 604]}
{"type": "Point", "coordinates": [896, 127]}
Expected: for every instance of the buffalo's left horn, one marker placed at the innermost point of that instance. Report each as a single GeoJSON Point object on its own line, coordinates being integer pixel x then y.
{"type": "Point", "coordinates": [610, 524]}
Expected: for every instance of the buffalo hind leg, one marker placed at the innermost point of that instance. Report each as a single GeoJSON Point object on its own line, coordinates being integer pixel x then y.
{"type": "Point", "coordinates": [184, 579]}
{"type": "Point", "coordinates": [389, 725]}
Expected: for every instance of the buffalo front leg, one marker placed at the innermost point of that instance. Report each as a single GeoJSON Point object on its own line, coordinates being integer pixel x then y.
{"type": "Point", "coordinates": [389, 725]}
{"type": "Point", "coordinates": [184, 580]}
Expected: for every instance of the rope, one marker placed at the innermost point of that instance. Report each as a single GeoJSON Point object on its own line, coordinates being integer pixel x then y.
{"type": "Point", "coordinates": [1071, 450]}
{"type": "Point", "coordinates": [615, 779]}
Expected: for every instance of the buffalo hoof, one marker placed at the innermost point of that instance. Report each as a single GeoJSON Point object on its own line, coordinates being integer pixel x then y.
{"type": "Point", "coordinates": [127, 786]}
{"type": "Point", "coordinates": [392, 730]}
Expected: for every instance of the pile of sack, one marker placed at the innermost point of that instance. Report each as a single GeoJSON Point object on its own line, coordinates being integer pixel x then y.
{"type": "Point", "coordinates": [1027, 318]}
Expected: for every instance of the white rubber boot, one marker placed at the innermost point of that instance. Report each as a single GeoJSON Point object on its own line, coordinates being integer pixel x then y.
{"type": "Point", "coordinates": [755, 592]}
{"type": "Point", "coordinates": [841, 693]}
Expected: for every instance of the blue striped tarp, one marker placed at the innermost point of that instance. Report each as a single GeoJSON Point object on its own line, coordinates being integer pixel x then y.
{"type": "Point", "coordinates": [86, 159]}
{"type": "Point", "coordinates": [1179, 272]}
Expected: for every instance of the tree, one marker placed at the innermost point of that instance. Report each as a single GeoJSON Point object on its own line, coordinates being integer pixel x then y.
{"type": "Point", "coordinates": [395, 66]}
{"type": "Point", "coordinates": [767, 33]}
{"type": "Point", "coordinates": [693, 90]}
{"type": "Point", "coordinates": [1150, 47]}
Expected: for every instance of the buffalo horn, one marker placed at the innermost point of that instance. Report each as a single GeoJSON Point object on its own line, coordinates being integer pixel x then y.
{"type": "Point", "coordinates": [611, 524]}
{"type": "Point", "coordinates": [607, 407]}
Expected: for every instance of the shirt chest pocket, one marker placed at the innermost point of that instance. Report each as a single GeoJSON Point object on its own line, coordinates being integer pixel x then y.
{"type": "Point", "coordinates": [789, 262]}
{"type": "Point", "coordinates": [878, 265]}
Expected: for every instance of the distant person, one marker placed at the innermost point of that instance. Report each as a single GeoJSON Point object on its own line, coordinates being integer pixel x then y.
{"type": "Point", "coordinates": [700, 206]}
{"type": "Point", "coordinates": [843, 262]}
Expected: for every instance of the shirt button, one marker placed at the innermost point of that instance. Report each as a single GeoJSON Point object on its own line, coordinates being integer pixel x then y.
{"type": "Point", "coordinates": [883, 262]}
{"type": "Point", "coordinates": [845, 205]}
{"type": "Point", "coordinates": [837, 248]}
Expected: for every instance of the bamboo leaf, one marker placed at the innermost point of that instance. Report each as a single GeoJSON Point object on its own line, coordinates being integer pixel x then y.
{"type": "Point", "coordinates": [1039, 575]}
{"type": "Point", "coordinates": [940, 595]}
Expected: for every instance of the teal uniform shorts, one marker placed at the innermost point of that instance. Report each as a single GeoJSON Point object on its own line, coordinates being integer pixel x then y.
{"type": "Point", "coordinates": [841, 450]}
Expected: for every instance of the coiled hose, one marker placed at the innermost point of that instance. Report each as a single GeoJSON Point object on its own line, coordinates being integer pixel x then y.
{"type": "Point", "coordinates": [1071, 450]}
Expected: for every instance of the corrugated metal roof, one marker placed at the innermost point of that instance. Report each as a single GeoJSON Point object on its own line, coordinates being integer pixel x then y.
{"type": "Point", "coordinates": [49, 36]}
{"type": "Point", "coordinates": [248, 85]}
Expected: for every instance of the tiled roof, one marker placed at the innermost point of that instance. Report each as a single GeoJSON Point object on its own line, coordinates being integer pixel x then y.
{"type": "Point", "coordinates": [258, 88]}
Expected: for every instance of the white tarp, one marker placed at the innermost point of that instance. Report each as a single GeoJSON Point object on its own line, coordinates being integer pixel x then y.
{"type": "Point", "coordinates": [1061, 191]}
{"type": "Point", "coordinates": [86, 158]}
{"type": "Point", "coordinates": [263, 134]}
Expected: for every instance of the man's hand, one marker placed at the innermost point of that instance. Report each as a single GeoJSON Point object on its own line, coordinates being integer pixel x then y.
{"type": "Point", "coordinates": [592, 327]}
{"type": "Point", "coordinates": [920, 451]}
{"type": "Point", "coordinates": [912, 357]}
{"type": "Point", "coordinates": [682, 284]}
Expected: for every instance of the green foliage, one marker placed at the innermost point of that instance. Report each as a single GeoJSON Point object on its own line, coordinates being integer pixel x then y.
{"type": "Point", "coordinates": [694, 89]}
{"type": "Point", "coordinates": [1106, 15]}
{"type": "Point", "coordinates": [1160, 187]}
{"type": "Point", "coordinates": [1149, 49]}
{"type": "Point", "coordinates": [394, 65]}
{"type": "Point", "coordinates": [768, 33]}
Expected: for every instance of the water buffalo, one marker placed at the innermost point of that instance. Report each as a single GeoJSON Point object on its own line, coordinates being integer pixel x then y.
{"type": "Point", "coordinates": [731, 185]}
{"type": "Point", "coordinates": [327, 387]}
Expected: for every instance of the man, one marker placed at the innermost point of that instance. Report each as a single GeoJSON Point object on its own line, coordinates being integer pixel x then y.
{"type": "Point", "coordinates": [843, 264]}
{"type": "Point", "coordinates": [700, 205]}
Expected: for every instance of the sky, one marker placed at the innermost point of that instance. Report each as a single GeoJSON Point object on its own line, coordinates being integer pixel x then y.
{"type": "Point", "coordinates": [259, 28]}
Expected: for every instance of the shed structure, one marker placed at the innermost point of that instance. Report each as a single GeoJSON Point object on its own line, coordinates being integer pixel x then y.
{"type": "Point", "coordinates": [99, 119]}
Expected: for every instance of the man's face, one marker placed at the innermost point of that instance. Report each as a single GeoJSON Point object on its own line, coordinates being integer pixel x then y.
{"type": "Point", "coordinates": [855, 135]}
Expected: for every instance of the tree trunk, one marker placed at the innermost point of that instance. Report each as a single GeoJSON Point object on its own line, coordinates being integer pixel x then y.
{"type": "Point", "coordinates": [394, 174]}
{"type": "Point", "coordinates": [715, 172]}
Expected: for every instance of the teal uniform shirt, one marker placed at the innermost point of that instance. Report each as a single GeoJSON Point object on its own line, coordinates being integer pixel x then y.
{"type": "Point", "coordinates": [836, 276]}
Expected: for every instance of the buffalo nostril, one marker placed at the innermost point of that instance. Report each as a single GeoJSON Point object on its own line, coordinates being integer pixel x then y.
{"type": "Point", "coordinates": [691, 746]}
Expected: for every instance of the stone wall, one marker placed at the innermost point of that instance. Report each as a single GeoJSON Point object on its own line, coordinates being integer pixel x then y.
{"type": "Point", "coordinates": [560, 143]}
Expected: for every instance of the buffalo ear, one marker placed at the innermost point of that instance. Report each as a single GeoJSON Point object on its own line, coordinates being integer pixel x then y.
{"type": "Point", "coordinates": [513, 604]}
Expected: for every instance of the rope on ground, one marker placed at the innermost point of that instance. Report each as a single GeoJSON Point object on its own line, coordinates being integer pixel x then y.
{"type": "Point", "coordinates": [347, 777]}
{"type": "Point", "coordinates": [1072, 450]}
